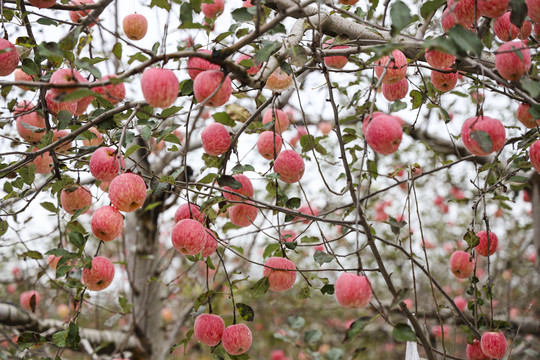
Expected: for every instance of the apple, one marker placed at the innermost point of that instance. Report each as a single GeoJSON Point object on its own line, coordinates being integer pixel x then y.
{"type": "Point", "coordinates": [100, 275]}
{"type": "Point", "coordinates": [43, 163]}
{"type": "Point", "coordinates": [189, 236]}
{"type": "Point", "coordinates": [269, 144]}
{"type": "Point", "coordinates": [29, 300]}
{"type": "Point", "coordinates": [215, 139]}
{"type": "Point", "coordinates": [534, 157]}
{"type": "Point", "coordinates": [439, 59]}
{"type": "Point", "coordinates": [513, 60]}
{"type": "Point", "coordinates": [26, 114]}
{"type": "Point", "coordinates": [483, 248]}
{"type": "Point", "coordinates": [487, 128]}
{"type": "Point", "coordinates": [348, 2]}
{"type": "Point", "coordinates": [335, 62]}
{"type": "Point", "coordinates": [243, 214]}
{"type": "Point", "coordinates": [75, 16]}
{"type": "Point", "coordinates": [127, 192]}
{"type": "Point", "coordinates": [463, 11]}
{"type": "Point", "coordinates": [207, 82]}
{"type": "Point", "coordinates": [438, 332]}
{"type": "Point", "coordinates": [279, 116]}
{"type": "Point", "coordinates": [290, 166]}
{"type": "Point", "coordinates": [525, 117]}
{"type": "Point", "coordinates": [63, 77]}
{"type": "Point", "coordinates": [300, 131]}
{"type": "Point", "coordinates": [281, 273]}
{"type": "Point", "coordinates": [444, 82]}
{"type": "Point", "coordinates": [307, 209]}
{"type": "Point", "coordinates": [533, 10]}
{"type": "Point", "coordinates": [326, 127]}
{"type": "Point", "coordinates": [107, 223]}
{"type": "Point", "coordinates": [396, 91]}
{"type": "Point", "coordinates": [383, 134]}
{"type": "Point", "coordinates": [63, 311]}
{"type": "Point", "coordinates": [64, 148]}
{"type": "Point", "coordinates": [96, 141]}
{"type": "Point", "coordinates": [55, 106]}
{"type": "Point", "coordinates": [474, 351]}
{"type": "Point", "coordinates": [396, 67]}
{"type": "Point", "coordinates": [42, 4]}
{"type": "Point", "coordinates": [210, 245]}
{"type": "Point", "coordinates": [166, 315]}
{"type": "Point", "coordinates": [76, 197]}
{"type": "Point", "coordinates": [352, 291]}
{"type": "Point", "coordinates": [506, 31]}
{"type": "Point", "coordinates": [104, 164]}
{"type": "Point", "coordinates": [493, 344]}
{"type": "Point", "coordinates": [20, 75]}
{"type": "Point", "coordinates": [135, 26]}
{"type": "Point", "coordinates": [160, 87]}
{"type": "Point", "coordinates": [52, 261]}
{"type": "Point", "coordinates": [114, 93]}
{"type": "Point", "coordinates": [213, 9]}
{"type": "Point", "coordinates": [279, 81]}
{"type": "Point", "coordinates": [252, 70]}
{"type": "Point", "coordinates": [189, 211]}
{"type": "Point", "coordinates": [246, 188]}
{"type": "Point", "coordinates": [9, 57]}
{"type": "Point", "coordinates": [236, 339]}
{"type": "Point", "coordinates": [288, 235]}
{"type": "Point", "coordinates": [461, 264]}
{"type": "Point", "coordinates": [448, 20]}
{"type": "Point", "coordinates": [208, 329]}
{"type": "Point", "coordinates": [492, 8]}
{"type": "Point", "coordinates": [83, 104]}
{"type": "Point", "coordinates": [196, 65]}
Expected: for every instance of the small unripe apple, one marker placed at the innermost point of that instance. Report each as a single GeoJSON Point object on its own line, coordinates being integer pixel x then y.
{"type": "Point", "coordinates": [279, 81]}
{"type": "Point", "coordinates": [439, 59]}
{"type": "Point", "coordinates": [395, 66]}
{"type": "Point", "coordinates": [75, 16]}
{"type": "Point", "coordinates": [188, 236]}
{"type": "Point", "coordinates": [335, 62]}
{"type": "Point", "coordinates": [492, 8]}
{"type": "Point", "coordinates": [114, 93]}
{"type": "Point", "coordinates": [252, 70]}
{"type": "Point", "coordinates": [525, 117]}
{"type": "Point", "coordinates": [208, 329]}
{"type": "Point", "coordinates": [9, 57]}
{"type": "Point", "coordinates": [493, 344]}
{"type": "Point", "coordinates": [127, 192]}
{"type": "Point", "coordinates": [100, 275]}
{"type": "Point", "coordinates": [243, 214]}
{"type": "Point", "coordinates": [269, 144]}
{"type": "Point", "coordinates": [534, 157]}
{"type": "Point", "coordinates": [482, 248]}
{"type": "Point", "coordinates": [461, 264]}
{"type": "Point", "coordinates": [246, 188]}
{"type": "Point", "coordinates": [383, 134]}
{"type": "Point", "coordinates": [290, 166]}
{"type": "Point", "coordinates": [279, 116]}
{"type": "Point", "coordinates": [28, 116]}
{"type": "Point", "coordinates": [215, 139]}
{"type": "Point", "coordinates": [196, 65]}
{"type": "Point", "coordinates": [107, 223]}
{"type": "Point", "coordinates": [210, 10]}
{"type": "Point", "coordinates": [189, 211]}
{"type": "Point", "coordinates": [29, 300]}
{"type": "Point", "coordinates": [42, 4]}
{"type": "Point", "coordinates": [236, 339]}
{"type": "Point", "coordinates": [104, 164]}
{"type": "Point", "coordinates": [396, 91]}
{"type": "Point", "coordinates": [444, 82]}
{"type": "Point", "coordinates": [160, 87]}
{"type": "Point", "coordinates": [513, 60]}
{"type": "Point", "coordinates": [76, 197]}
{"type": "Point", "coordinates": [206, 83]}
{"type": "Point", "coordinates": [487, 128]}
{"type": "Point", "coordinates": [135, 26]}
{"type": "Point", "coordinates": [474, 351]}
{"type": "Point", "coordinates": [353, 291]}
{"type": "Point", "coordinates": [283, 274]}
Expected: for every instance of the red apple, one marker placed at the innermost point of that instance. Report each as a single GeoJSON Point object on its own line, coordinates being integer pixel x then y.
{"type": "Point", "coordinates": [474, 351]}
{"type": "Point", "coordinates": [493, 344]}
{"type": "Point", "coordinates": [107, 223]}
{"type": "Point", "coordinates": [104, 164]}
{"type": "Point", "coordinates": [189, 211]}
{"type": "Point", "coordinates": [42, 4]}
{"type": "Point", "coordinates": [135, 26]}
{"type": "Point", "coordinates": [43, 163]}
{"type": "Point", "coordinates": [29, 300]}
{"type": "Point", "coordinates": [383, 134]}
{"type": "Point", "coordinates": [75, 16]}
{"type": "Point", "coordinates": [213, 9]}
{"type": "Point", "coordinates": [100, 275]}
{"type": "Point", "coordinates": [215, 139]}
{"type": "Point", "coordinates": [281, 273]}
{"type": "Point", "coordinates": [483, 248]}
{"type": "Point", "coordinates": [252, 70]}
{"type": "Point", "coordinates": [444, 82]}
{"type": "Point", "coordinates": [396, 91]}
{"type": "Point", "coordinates": [396, 67]}
{"type": "Point", "coordinates": [236, 339]}
{"type": "Point", "coordinates": [461, 264]}
{"type": "Point", "coordinates": [534, 157]}
{"type": "Point", "coordinates": [279, 81]}
{"type": "Point", "coordinates": [246, 188]}
{"type": "Point", "coordinates": [243, 214]}
{"type": "Point", "coordinates": [269, 144]}
{"type": "Point", "coordinates": [9, 57]}
{"type": "Point", "coordinates": [207, 82]}
{"type": "Point", "coordinates": [96, 141]}
{"type": "Point", "coordinates": [208, 329]}
{"type": "Point", "coordinates": [160, 87]}
{"type": "Point", "coordinates": [487, 128]}
{"type": "Point", "coordinates": [353, 291]}
{"type": "Point", "coordinates": [76, 197]}
{"type": "Point", "coordinates": [127, 192]}
{"type": "Point", "coordinates": [492, 8]}
{"type": "Point", "coordinates": [196, 65]}
{"type": "Point", "coordinates": [513, 60]}
{"type": "Point", "coordinates": [439, 59]}
{"type": "Point", "coordinates": [189, 237]}
{"type": "Point", "coordinates": [30, 125]}
{"type": "Point", "coordinates": [290, 166]}
{"type": "Point", "coordinates": [335, 62]}
{"type": "Point", "coordinates": [279, 116]}
{"type": "Point", "coordinates": [114, 93]}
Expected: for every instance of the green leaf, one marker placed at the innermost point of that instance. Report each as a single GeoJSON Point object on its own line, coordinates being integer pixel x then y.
{"type": "Point", "coordinates": [32, 255]}
{"type": "Point", "coordinates": [466, 40]}
{"type": "Point", "coordinates": [78, 94]}
{"type": "Point", "coordinates": [223, 118]}
{"type": "Point", "coordinates": [428, 7]}
{"type": "Point", "coordinates": [397, 106]}
{"type": "Point", "coordinates": [356, 328]}
{"type": "Point", "coordinates": [417, 98]}
{"type": "Point", "coordinates": [372, 168]}
{"type": "Point", "coordinates": [241, 15]}
{"type": "Point", "coordinates": [400, 15]}
{"type": "Point", "coordinates": [184, 342]}
{"type": "Point", "coordinates": [309, 239]}
{"type": "Point", "coordinates": [307, 142]}
{"type": "Point", "coordinates": [3, 227]}
{"type": "Point", "coordinates": [202, 298]}
{"type": "Point", "coordinates": [117, 50]}
{"type": "Point", "coordinates": [471, 239]}
{"type": "Point", "coordinates": [30, 67]}
{"type": "Point", "coordinates": [312, 336]}
{"type": "Point", "coordinates": [186, 88]}
{"type": "Point", "coordinates": [164, 4]}
{"type": "Point", "coordinates": [64, 118]}
{"type": "Point", "coordinates": [293, 203]}
{"type": "Point", "coordinates": [227, 180]}
{"type": "Point", "coordinates": [267, 49]}
{"type": "Point", "coordinates": [28, 173]}
{"type": "Point", "coordinates": [296, 322]}
{"type": "Point", "coordinates": [270, 250]}
{"type": "Point", "coordinates": [131, 150]}
{"type": "Point", "coordinates": [403, 332]}
{"type": "Point", "coordinates": [46, 22]}
{"type": "Point", "coordinates": [246, 312]}
{"type": "Point", "coordinates": [328, 289]}
{"type": "Point", "coordinates": [170, 111]}
{"type": "Point", "coordinates": [395, 226]}
{"type": "Point", "coordinates": [304, 293]}
{"type": "Point", "coordinates": [260, 288]}
{"type": "Point", "coordinates": [483, 139]}
{"type": "Point", "coordinates": [519, 12]}
{"type": "Point", "coordinates": [239, 169]}
{"type": "Point", "coordinates": [531, 86]}
{"type": "Point", "coordinates": [321, 257]}
{"type": "Point", "coordinates": [186, 16]}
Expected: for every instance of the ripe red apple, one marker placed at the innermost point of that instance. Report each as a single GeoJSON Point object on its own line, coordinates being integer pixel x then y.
{"type": "Point", "coordinates": [243, 214]}
{"type": "Point", "coordinates": [396, 91]}
{"type": "Point", "coordinates": [29, 300]}
{"type": "Point", "coordinates": [513, 60]}
{"type": "Point", "coordinates": [288, 236]}
{"type": "Point", "coordinates": [188, 236]}
{"type": "Point", "coordinates": [104, 164]}
{"type": "Point", "coordinates": [493, 344]}
{"type": "Point", "coordinates": [43, 163]}
{"type": "Point", "coordinates": [307, 209]}
{"type": "Point", "coordinates": [65, 147]}
{"type": "Point", "coordinates": [246, 188]}
{"type": "Point", "coordinates": [28, 116]}
{"type": "Point", "coordinates": [348, 2]}
{"type": "Point", "coordinates": [100, 275]}
{"type": "Point", "coordinates": [76, 197]}
{"type": "Point", "coordinates": [396, 67]}
{"type": "Point", "coordinates": [279, 81]}
{"type": "Point", "coordinates": [114, 93]}
{"type": "Point", "coordinates": [300, 131]}
{"type": "Point", "coordinates": [207, 82]}
{"type": "Point", "coordinates": [107, 223]}
{"type": "Point", "coordinates": [507, 31]}
{"type": "Point", "coordinates": [383, 134]}
{"type": "Point", "coordinates": [208, 329]}
{"type": "Point", "coordinates": [135, 26]}
{"type": "Point", "coordinates": [269, 144]}
{"type": "Point", "coordinates": [196, 65]}
{"type": "Point", "coordinates": [352, 291]}
{"type": "Point", "coordinates": [463, 11]}
{"type": "Point", "coordinates": [461, 264]}
{"type": "Point", "coordinates": [9, 57]}
{"type": "Point", "coordinates": [160, 87]}
{"type": "Point", "coordinates": [533, 10]}
{"type": "Point", "coordinates": [326, 127]}
{"type": "Point", "coordinates": [492, 8]}
{"type": "Point", "coordinates": [210, 10]}
{"type": "Point", "coordinates": [210, 245]}
{"type": "Point", "coordinates": [20, 75]}
{"type": "Point", "coordinates": [96, 141]}
{"type": "Point", "coordinates": [444, 82]}
{"type": "Point", "coordinates": [42, 4]}
{"type": "Point", "coordinates": [439, 331]}
{"type": "Point", "coordinates": [335, 62]}
{"type": "Point", "coordinates": [525, 117]}
{"type": "Point", "coordinates": [83, 104]}
{"type": "Point", "coordinates": [461, 303]}
{"type": "Point", "coordinates": [534, 157]}
{"type": "Point", "coordinates": [183, 212]}
{"type": "Point", "coordinates": [55, 106]}
{"type": "Point", "coordinates": [252, 70]}
{"type": "Point", "coordinates": [290, 166]}
{"type": "Point", "coordinates": [474, 351]}
{"type": "Point", "coordinates": [62, 77]}
{"type": "Point", "coordinates": [236, 339]}
{"type": "Point", "coordinates": [482, 248]}
{"type": "Point", "coordinates": [485, 125]}
{"type": "Point", "coordinates": [215, 139]}
{"type": "Point", "coordinates": [279, 277]}
{"type": "Point", "coordinates": [127, 192]}
{"type": "Point", "coordinates": [448, 20]}
{"type": "Point", "coordinates": [279, 116]}
{"type": "Point", "coordinates": [75, 16]}
{"type": "Point", "coordinates": [439, 59]}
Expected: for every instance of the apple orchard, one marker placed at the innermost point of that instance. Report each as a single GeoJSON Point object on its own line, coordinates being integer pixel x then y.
{"type": "Point", "coordinates": [270, 179]}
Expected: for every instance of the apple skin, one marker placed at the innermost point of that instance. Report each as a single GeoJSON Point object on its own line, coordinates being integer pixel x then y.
{"type": "Point", "coordinates": [65, 76]}
{"type": "Point", "coordinates": [493, 127]}
{"type": "Point", "coordinates": [474, 351]}
{"type": "Point", "coordinates": [210, 245]}
{"type": "Point", "coordinates": [56, 106]}
{"type": "Point", "coordinates": [114, 93]}
{"type": "Point", "coordinates": [76, 197]}
{"type": "Point", "coordinates": [267, 143]}
{"type": "Point", "coordinates": [279, 81]}
{"type": "Point", "coordinates": [492, 8]}
{"type": "Point", "coordinates": [290, 166]}
{"type": "Point", "coordinates": [444, 82]}
{"type": "Point", "coordinates": [246, 188]}
{"type": "Point", "coordinates": [396, 68]}
{"type": "Point", "coordinates": [20, 75]}
{"type": "Point", "coordinates": [396, 91]}
{"type": "Point", "coordinates": [461, 303]}
{"type": "Point", "coordinates": [75, 16]}
{"type": "Point", "coordinates": [189, 237]}
{"type": "Point", "coordinates": [104, 164]}
{"type": "Point", "coordinates": [208, 329]}
{"type": "Point", "coordinates": [534, 157]}
{"type": "Point", "coordinates": [353, 291]}
{"type": "Point", "coordinates": [31, 118]}
{"type": "Point", "coordinates": [196, 65]}
{"type": "Point", "coordinates": [282, 119]}
{"type": "Point", "coordinates": [243, 214]}
{"type": "Point", "coordinates": [160, 87]}
{"type": "Point", "coordinates": [509, 64]}
{"type": "Point", "coordinates": [335, 62]}
{"type": "Point", "coordinates": [236, 339]}
{"type": "Point", "coordinates": [461, 264]}
{"type": "Point", "coordinates": [463, 11]}
{"type": "Point", "coordinates": [100, 276]}
{"type": "Point", "coordinates": [280, 280]}
{"type": "Point", "coordinates": [52, 261]}
{"type": "Point", "coordinates": [43, 163]}
{"type": "Point", "coordinates": [482, 248]}
{"type": "Point", "coordinates": [9, 57]}
{"type": "Point", "coordinates": [127, 192]}
{"type": "Point", "coordinates": [493, 344]}
{"type": "Point", "coordinates": [252, 70]}
{"type": "Point", "coordinates": [183, 212]}
{"type": "Point", "coordinates": [383, 134]}
{"type": "Point", "coordinates": [439, 59]}
{"type": "Point", "coordinates": [29, 298]}
{"type": "Point", "coordinates": [215, 139]}
{"type": "Point", "coordinates": [506, 31]}
{"type": "Point", "coordinates": [348, 2]}
{"type": "Point", "coordinates": [94, 141]}
{"type": "Point", "coordinates": [42, 4]}
{"type": "Point", "coordinates": [135, 26]}
{"type": "Point", "coordinates": [533, 10]}
{"type": "Point", "coordinates": [107, 223]}
{"type": "Point", "coordinates": [207, 82]}
{"type": "Point", "coordinates": [525, 117]}
{"type": "Point", "coordinates": [210, 10]}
